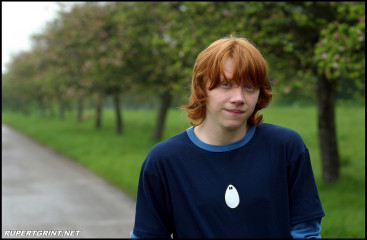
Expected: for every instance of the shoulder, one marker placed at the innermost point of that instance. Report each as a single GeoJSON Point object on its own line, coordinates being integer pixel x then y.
{"type": "Point", "coordinates": [170, 145]}
{"type": "Point", "coordinates": [168, 149]}
{"type": "Point", "coordinates": [276, 131]}
{"type": "Point", "coordinates": [281, 141]}
{"type": "Point", "coordinates": [278, 134]}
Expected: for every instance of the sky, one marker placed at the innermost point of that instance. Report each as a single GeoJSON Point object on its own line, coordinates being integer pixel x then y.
{"type": "Point", "coordinates": [22, 19]}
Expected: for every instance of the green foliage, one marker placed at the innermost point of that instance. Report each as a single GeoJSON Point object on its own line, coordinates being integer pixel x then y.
{"type": "Point", "coordinates": [341, 47]}
{"type": "Point", "coordinates": [311, 38]}
{"type": "Point", "coordinates": [120, 47]}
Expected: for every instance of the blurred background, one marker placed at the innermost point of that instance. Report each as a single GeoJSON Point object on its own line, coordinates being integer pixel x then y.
{"type": "Point", "coordinates": [102, 83]}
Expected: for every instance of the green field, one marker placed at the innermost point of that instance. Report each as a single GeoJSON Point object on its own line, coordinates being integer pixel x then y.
{"type": "Point", "coordinates": [118, 158]}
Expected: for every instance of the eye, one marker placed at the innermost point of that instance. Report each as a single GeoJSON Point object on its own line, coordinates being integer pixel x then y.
{"type": "Point", "coordinates": [250, 88]}
{"type": "Point", "coordinates": [226, 84]}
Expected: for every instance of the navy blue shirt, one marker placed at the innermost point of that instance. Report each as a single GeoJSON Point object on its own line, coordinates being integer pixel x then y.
{"type": "Point", "coordinates": [184, 184]}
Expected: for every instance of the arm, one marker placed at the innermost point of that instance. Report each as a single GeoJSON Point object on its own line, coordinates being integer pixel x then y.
{"type": "Point", "coordinates": [152, 216]}
{"type": "Point", "coordinates": [133, 236]}
{"type": "Point", "coordinates": [305, 206]}
{"type": "Point", "coordinates": [309, 229]}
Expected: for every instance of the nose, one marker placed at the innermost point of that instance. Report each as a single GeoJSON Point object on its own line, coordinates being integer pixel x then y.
{"type": "Point", "coordinates": [237, 96]}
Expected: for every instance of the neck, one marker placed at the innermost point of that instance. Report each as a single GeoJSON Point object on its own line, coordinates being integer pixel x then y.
{"type": "Point", "coordinates": [219, 136]}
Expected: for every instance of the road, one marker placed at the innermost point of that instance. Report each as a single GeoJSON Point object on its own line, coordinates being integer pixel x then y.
{"type": "Point", "coordinates": [43, 190]}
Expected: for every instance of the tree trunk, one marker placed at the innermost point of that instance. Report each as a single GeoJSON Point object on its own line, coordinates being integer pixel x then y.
{"type": "Point", "coordinates": [116, 100]}
{"type": "Point", "coordinates": [52, 110]}
{"type": "Point", "coordinates": [166, 99]}
{"type": "Point", "coordinates": [42, 107]}
{"type": "Point", "coordinates": [99, 106]}
{"type": "Point", "coordinates": [26, 111]}
{"type": "Point", "coordinates": [62, 111]}
{"type": "Point", "coordinates": [326, 91]}
{"type": "Point", "coordinates": [80, 110]}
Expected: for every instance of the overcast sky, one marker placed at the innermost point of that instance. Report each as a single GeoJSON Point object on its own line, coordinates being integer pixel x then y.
{"type": "Point", "coordinates": [19, 21]}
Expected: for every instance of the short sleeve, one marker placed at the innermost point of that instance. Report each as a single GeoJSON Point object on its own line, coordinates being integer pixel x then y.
{"type": "Point", "coordinates": [304, 202]}
{"type": "Point", "coordinates": [152, 217]}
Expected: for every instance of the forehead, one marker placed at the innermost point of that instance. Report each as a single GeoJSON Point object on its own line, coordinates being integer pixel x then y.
{"type": "Point", "coordinates": [228, 68]}
{"type": "Point", "coordinates": [236, 71]}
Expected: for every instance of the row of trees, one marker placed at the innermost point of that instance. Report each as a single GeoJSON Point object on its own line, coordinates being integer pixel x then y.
{"type": "Point", "coordinates": [99, 50]}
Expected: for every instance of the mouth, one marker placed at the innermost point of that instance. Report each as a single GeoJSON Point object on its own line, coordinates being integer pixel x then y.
{"type": "Point", "coordinates": [235, 111]}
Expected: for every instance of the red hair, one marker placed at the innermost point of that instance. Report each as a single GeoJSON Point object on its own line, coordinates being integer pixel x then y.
{"type": "Point", "coordinates": [249, 69]}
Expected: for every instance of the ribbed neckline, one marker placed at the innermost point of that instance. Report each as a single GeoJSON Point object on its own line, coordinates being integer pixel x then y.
{"type": "Point", "coordinates": [220, 148]}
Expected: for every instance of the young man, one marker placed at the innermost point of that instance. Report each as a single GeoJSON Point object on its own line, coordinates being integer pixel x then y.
{"type": "Point", "coordinates": [230, 175]}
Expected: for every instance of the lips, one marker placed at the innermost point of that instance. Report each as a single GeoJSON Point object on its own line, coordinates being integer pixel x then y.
{"type": "Point", "coordinates": [235, 111]}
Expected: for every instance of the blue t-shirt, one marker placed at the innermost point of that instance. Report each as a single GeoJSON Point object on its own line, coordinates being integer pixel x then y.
{"type": "Point", "coordinates": [257, 187]}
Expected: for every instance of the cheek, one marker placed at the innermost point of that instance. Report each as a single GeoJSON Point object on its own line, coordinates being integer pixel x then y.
{"type": "Point", "coordinates": [213, 106]}
{"type": "Point", "coordinates": [259, 101]}
{"type": "Point", "coordinates": [215, 101]}
{"type": "Point", "coordinates": [254, 100]}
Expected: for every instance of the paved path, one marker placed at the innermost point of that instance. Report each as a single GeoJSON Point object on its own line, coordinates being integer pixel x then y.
{"type": "Point", "coordinates": [42, 190]}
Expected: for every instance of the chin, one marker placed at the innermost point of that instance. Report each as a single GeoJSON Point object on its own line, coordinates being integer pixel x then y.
{"type": "Point", "coordinates": [234, 127]}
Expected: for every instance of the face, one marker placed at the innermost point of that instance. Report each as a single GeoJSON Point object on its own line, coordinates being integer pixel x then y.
{"type": "Point", "coordinates": [229, 106]}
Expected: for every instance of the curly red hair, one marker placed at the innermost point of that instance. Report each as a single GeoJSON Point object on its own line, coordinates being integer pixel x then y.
{"type": "Point", "coordinates": [249, 69]}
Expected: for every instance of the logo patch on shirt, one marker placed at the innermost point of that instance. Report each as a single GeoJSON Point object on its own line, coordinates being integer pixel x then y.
{"type": "Point", "coordinates": [231, 197]}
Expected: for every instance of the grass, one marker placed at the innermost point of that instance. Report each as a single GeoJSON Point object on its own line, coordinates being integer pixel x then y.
{"type": "Point", "coordinates": [118, 158]}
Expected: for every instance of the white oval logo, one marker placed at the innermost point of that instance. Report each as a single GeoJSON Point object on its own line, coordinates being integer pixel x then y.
{"type": "Point", "coordinates": [231, 197]}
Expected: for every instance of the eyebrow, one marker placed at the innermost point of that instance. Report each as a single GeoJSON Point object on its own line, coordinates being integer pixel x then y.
{"type": "Point", "coordinates": [221, 77]}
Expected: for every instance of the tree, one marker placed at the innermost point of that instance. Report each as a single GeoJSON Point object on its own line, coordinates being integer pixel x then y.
{"type": "Point", "coordinates": [319, 38]}
{"type": "Point", "coordinates": [63, 56]}
{"type": "Point", "coordinates": [107, 55]}
{"type": "Point", "coordinates": [157, 52]}
{"type": "Point", "coordinates": [340, 52]}
{"type": "Point", "coordinates": [19, 80]}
